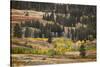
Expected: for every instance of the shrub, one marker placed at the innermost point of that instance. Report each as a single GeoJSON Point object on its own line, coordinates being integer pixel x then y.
{"type": "Point", "coordinates": [51, 52]}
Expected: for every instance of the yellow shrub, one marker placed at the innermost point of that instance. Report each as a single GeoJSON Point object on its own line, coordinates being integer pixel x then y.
{"type": "Point", "coordinates": [63, 44]}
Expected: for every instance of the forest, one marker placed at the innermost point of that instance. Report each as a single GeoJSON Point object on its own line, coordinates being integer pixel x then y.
{"type": "Point", "coordinates": [52, 33]}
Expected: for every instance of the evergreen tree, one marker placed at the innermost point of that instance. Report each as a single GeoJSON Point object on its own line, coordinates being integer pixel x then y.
{"type": "Point", "coordinates": [50, 38]}
{"type": "Point", "coordinates": [17, 31]}
{"type": "Point", "coordinates": [27, 32]}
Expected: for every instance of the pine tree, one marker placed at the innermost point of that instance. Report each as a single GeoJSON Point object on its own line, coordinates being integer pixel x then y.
{"type": "Point", "coordinates": [17, 31]}
{"type": "Point", "coordinates": [27, 32]}
{"type": "Point", "coordinates": [49, 38]}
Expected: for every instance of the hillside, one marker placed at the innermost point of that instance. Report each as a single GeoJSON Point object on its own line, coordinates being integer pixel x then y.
{"type": "Point", "coordinates": [19, 15]}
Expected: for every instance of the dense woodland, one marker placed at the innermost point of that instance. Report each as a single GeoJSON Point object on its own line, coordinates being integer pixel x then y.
{"type": "Point", "coordinates": [80, 21]}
